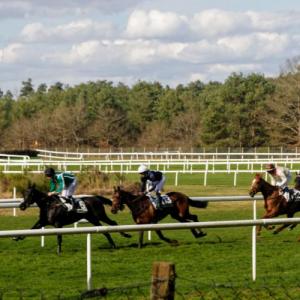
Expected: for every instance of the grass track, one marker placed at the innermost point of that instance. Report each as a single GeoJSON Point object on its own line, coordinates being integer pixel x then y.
{"type": "Point", "coordinates": [224, 256]}
{"type": "Point", "coordinates": [221, 258]}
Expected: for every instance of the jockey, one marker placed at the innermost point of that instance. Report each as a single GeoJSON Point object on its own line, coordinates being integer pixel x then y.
{"type": "Point", "coordinates": [152, 181]}
{"type": "Point", "coordinates": [281, 177]}
{"type": "Point", "coordinates": [63, 184]}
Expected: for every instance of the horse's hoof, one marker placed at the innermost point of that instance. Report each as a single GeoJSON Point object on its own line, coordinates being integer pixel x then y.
{"type": "Point", "coordinates": [201, 234]}
{"type": "Point", "coordinates": [174, 242]}
{"type": "Point", "coordinates": [127, 235]}
{"type": "Point", "coordinates": [18, 238]}
{"type": "Point", "coordinates": [275, 232]}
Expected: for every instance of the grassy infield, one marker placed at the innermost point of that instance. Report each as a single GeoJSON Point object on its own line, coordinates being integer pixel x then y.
{"type": "Point", "coordinates": [217, 266]}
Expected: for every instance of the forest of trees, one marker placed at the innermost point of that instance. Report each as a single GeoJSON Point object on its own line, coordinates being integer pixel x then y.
{"type": "Point", "coordinates": [243, 111]}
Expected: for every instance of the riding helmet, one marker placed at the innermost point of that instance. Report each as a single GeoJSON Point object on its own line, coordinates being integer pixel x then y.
{"type": "Point", "coordinates": [270, 167]}
{"type": "Point", "coordinates": [49, 172]}
{"type": "Point", "coordinates": [142, 169]}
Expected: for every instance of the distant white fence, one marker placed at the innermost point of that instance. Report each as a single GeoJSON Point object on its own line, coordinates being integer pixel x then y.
{"type": "Point", "coordinates": [127, 167]}
{"type": "Point", "coordinates": [168, 226]}
{"type": "Point", "coordinates": [168, 155]}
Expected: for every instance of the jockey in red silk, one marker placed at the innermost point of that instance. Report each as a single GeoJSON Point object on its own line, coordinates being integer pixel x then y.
{"type": "Point", "coordinates": [152, 181]}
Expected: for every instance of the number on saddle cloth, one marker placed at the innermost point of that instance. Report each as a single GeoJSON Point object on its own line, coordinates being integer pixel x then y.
{"type": "Point", "coordinates": [295, 194]}
{"type": "Point", "coordinates": [66, 202]}
{"type": "Point", "coordinates": [165, 200]}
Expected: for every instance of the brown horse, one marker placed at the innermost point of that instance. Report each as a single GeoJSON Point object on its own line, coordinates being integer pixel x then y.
{"type": "Point", "coordinates": [143, 211]}
{"type": "Point", "coordinates": [275, 203]}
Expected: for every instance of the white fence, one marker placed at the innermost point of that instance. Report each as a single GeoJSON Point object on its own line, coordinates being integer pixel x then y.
{"type": "Point", "coordinates": [168, 226]}
{"type": "Point", "coordinates": [117, 167]}
{"type": "Point", "coordinates": [169, 155]}
{"type": "Point", "coordinates": [15, 202]}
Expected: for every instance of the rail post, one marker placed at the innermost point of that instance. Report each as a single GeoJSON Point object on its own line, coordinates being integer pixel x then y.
{"type": "Point", "coordinates": [163, 281]}
{"type": "Point", "coordinates": [254, 243]}
{"type": "Point", "coordinates": [88, 262]}
{"type": "Point", "coordinates": [14, 197]}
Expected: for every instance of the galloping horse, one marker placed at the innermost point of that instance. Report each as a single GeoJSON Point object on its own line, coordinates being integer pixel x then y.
{"type": "Point", "coordinates": [275, 203]}
{"type": "Point", "coordinates": [143, 211]}
{"type": "Point", "coordinates": [53, 212]}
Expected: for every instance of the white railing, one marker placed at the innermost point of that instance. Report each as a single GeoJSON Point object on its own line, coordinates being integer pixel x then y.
{"type": "Point", "coordinates": [167, 154]}
{"type": "Point", "coordinates": [9, 157]}
{"type": "Point", "coordinates": [168, 226]}
{"type": "Point", "coordinates": [15, 202]}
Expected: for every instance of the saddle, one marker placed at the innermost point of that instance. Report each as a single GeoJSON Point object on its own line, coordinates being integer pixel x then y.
{"type": "Point", "coordinates": [165, 201]}
{"type": "Point", "coordinates": [74, 204]}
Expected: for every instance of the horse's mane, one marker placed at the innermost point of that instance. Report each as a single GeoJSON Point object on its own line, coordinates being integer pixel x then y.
{"type": "Point", "coordinates": [260, 176]}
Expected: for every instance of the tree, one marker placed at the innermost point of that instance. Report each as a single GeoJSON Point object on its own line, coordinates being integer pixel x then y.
{"type": "Point", "coordinates": [27, 88]}
{"type": "Point", "coordinates": [282, 115]}
{"type": "Point", "coordinates": [42, 88]}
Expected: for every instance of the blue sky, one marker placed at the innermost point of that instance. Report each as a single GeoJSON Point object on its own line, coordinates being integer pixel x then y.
{"type": "Point", "coordinates": [171, 41]}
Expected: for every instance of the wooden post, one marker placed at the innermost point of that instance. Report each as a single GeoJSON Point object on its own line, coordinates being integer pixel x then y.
{"type": "Point", "coordinates": [163, 281]}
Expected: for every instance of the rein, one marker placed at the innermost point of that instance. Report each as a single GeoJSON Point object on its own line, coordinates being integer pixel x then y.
{"type": "Point", "coordinates": [137, 209]}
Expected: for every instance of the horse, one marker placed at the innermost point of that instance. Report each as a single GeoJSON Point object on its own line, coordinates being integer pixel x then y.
{"type": "Point", "coordinates": [53, 212]}
{"type": "Point", "coordinates": [275, 203]}
{"type": "Point", "coordinates": [144, 212]}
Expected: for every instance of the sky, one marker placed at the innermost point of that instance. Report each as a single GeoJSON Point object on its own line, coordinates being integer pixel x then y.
{"type": "Point", "coordinates": [170, 41]}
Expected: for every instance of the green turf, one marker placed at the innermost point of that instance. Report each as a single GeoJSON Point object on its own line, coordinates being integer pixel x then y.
{"type": "Point", "coordinates": [222, 258]}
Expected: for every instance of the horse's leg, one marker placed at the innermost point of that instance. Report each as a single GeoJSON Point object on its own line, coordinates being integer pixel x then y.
{"type": "Point", "coordinates": [59, 243]}
{"type": "Point", "coordinates": [162, 237]}
{"type": "Point", "coordinates": [280, 228]}
{"type": "Point", "coordinates": [268, 215]}
{"type": "Point", "coordinates": [141, 239]}
{"type": "Point", "coordinates": [291, 227]}
{"type": "Point", "coordinates": [95, 222]}
{"type": "Point", "coordinates": [197, 233]}
{"type": "Point", "coordinates": [108, 221]}
{"type": "Point", "coordinates": [37, 225]}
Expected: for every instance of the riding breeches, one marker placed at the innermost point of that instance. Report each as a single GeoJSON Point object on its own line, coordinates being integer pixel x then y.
{"type": "Point", "coordinates": [157, 185]}
{"type": "Point", "coordinates": [69, 191]}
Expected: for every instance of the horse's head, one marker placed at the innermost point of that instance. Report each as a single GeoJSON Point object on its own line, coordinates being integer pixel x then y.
{"type": "Point", "coordinates": [117, 200]}
{"type": "Point", "coordinates": [29, 197]}
{"type": "Point", "coordinates": [256, 185]}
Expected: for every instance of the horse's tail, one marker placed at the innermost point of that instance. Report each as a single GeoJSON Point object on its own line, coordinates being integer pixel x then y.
{"type": "Point", "coordinates": [198, 204]}
{"type": "Point", "coordinates": [104, 200]}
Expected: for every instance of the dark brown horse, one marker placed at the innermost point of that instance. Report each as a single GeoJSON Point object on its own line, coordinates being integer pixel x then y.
{"type": "Point", "coordinates": [275, 203]}
{"type": "Point", "coordinates": [143, 211]}
{"type": "Point", "coordinates": [53, 212]}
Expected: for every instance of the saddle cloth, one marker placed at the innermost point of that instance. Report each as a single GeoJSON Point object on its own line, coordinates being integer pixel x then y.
{"type": "Point", "coordinates": [165, 200]}
{"type": "Point", "coordinates": [68, 204]}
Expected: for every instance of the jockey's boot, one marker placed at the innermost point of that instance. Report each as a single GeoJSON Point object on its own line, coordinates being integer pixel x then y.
{"type": "Point", "coordinates": [73, 203]}
{"type": "Point", "coordinates": [158, 202]}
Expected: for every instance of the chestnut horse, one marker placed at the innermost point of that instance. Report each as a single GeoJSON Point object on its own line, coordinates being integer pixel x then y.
{"type": "Point", "coordinates": [275, 203]}
{"type": "Point", "coordinates": [143, 211]}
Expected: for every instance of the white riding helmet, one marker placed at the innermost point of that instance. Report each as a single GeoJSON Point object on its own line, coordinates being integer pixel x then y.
{"type": "Point", "coordinates": [142, 169]}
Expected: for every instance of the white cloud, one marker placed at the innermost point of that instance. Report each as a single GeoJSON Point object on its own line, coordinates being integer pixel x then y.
{"type": "Point", "coordinates": [73, 31]}
{"type": "Point", "coordinates": [154, 24]}
{"type": "Point", "coordinates": [145, 44]}
{"type": "Point", "coordinates": [11, 54]}
{"type": "Point", "coordinates": [257, 45]}
{"type": "Point", "coordinates": [216, 22]}
{"type": "Point", "coordinates": [55, 8]}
